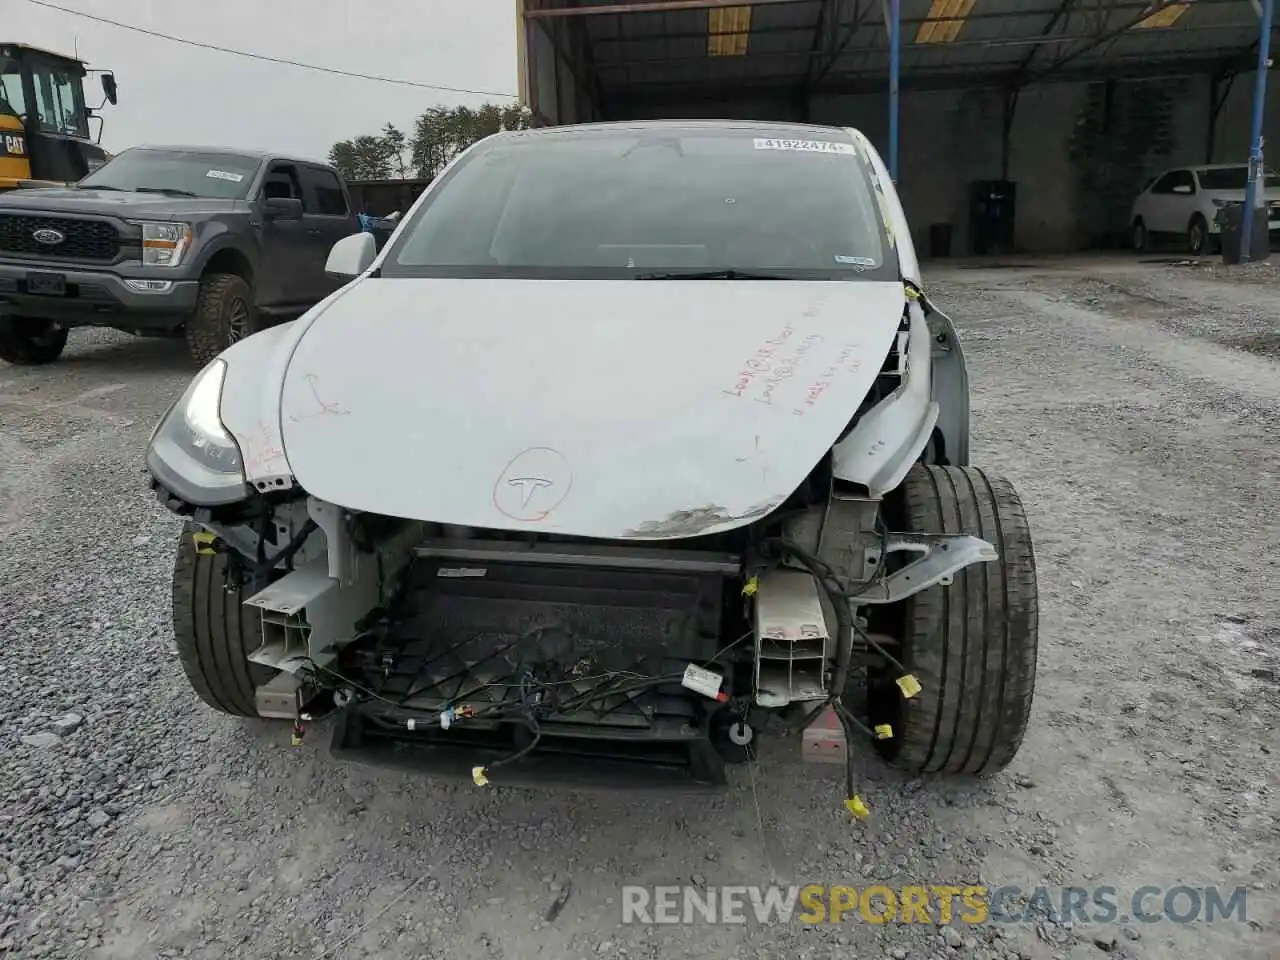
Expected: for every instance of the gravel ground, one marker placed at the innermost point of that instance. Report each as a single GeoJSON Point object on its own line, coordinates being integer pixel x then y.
{"type": "Point", "coordinates": [1136, 407]}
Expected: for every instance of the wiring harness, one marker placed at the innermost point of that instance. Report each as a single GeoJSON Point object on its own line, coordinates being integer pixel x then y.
{"type": "Point", "coordinates": [540, 697]}
{"type": "Point", "coordinates": [839, 596]}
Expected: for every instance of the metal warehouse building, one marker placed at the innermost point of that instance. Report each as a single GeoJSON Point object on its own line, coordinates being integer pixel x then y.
{"type": "Point", "coordinates": [1064, 108]}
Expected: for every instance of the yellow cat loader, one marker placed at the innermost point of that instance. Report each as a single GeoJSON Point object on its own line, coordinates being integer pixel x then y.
{"type": "Point", "coordinates": [44, 123]}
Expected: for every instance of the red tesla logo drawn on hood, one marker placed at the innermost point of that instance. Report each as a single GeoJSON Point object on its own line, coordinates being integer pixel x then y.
{"type": "Point", "coordinates": [532, 484]}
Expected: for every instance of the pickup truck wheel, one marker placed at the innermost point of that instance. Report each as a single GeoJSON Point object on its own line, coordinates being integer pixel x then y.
{"type": "Point", "coordinates": [214, 634]}
{"type": "Point", "coordinates": [28, 342]}
{"type": "Point", "coordinates": [971, 645]}
{"type": "Point", "coordinates": [224, 314]}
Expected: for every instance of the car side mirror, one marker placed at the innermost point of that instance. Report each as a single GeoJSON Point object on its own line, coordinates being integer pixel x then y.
{"type": "Point", "coordinates": [282, 208]}
{"type": "Point", "coordinates": [351, 256]}
{"type": "Point", "coordinates": [109, 89]}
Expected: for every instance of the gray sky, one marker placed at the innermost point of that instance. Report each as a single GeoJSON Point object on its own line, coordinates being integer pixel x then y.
{"type": "Point", "coordinates": [174, 93]}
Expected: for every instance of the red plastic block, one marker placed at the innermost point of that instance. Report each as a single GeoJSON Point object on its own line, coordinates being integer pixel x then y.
{"type": "Point", "coordinates": [824, 740]}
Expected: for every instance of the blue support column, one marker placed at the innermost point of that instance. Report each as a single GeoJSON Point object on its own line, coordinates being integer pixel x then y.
{"type": "Point", "coordinates": [895, 66]}
{"type": "Point", "coordinates": [1256, 169]}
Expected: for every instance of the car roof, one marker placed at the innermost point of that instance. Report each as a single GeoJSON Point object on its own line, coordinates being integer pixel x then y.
{"type": "Point", "coordinates": [777, 129]}
{"type": "Point", "coordinates": [1203, 167]}
{"type": "Point", "coordinates": [227, 151]}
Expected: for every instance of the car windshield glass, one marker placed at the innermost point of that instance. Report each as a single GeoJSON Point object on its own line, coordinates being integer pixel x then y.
{"type": "Point", "coordinates": [650, 203]}
{"type": "Point", "coordinates": [59, 103]}
{"type": "Point", "coordinates": [1233, 178]}
{"type": "Point", "coordinates": [217, 176]}
{"type": "Point", "coordinates": [13, 102]}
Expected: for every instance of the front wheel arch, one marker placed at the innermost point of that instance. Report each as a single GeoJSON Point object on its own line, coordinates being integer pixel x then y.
{"type": "Point", "coordinates": [224, 314]}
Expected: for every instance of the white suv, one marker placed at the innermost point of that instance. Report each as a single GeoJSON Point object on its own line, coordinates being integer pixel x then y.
{"type": "Point", "coordinates": [1186, 201]}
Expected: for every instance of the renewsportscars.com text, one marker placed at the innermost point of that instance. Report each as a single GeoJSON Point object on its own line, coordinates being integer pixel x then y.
{"type": "Point", "coordinates": [935, 904]}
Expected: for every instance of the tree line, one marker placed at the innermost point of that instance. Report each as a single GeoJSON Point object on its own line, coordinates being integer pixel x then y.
{"type": "Point", "coordinates": [439, 135]}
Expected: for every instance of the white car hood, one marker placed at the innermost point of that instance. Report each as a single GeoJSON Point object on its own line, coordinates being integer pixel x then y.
{"type": "Point", "coordinates": [608, 409]}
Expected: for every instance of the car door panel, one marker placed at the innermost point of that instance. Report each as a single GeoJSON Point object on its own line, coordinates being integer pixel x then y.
{"type": "Point", "coordinates": [328, 219]}
{"type": "Point", "coordinates": [282, 243]}
{"type": "Point", "coordinates": [1187, 201]}
{"type": "Point", "coordinates": [1162, 206]}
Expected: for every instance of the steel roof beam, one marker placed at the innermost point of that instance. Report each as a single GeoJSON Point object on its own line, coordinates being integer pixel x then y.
{"type": "Point", "coordinates": [1063, 12]}
{"type": "Point", "coordinates": [652, 6]}
{"type": "Point", "coordinates": [1138, 67]}
{"type": "Point", "coordinates": [860, 16]}
{"type": "Point", "coordinates": [1104, 36]}
{"type": "Point", "coordinates": [879, 49]}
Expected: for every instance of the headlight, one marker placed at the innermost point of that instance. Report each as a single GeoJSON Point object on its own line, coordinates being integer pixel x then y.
{"type": "Point", "coordinates": [191, 452]}
{"type": "Point", "coordinates": [163, 244]}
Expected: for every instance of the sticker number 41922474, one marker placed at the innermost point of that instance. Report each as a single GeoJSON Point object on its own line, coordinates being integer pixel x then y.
{"type": "Point", "coordinates": [804, 146]}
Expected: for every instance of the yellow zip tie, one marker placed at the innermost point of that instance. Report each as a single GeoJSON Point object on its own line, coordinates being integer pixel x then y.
{"type": "Point", "coordinates": [204, 543]}
{"type": "Point", "coordinates": [750, 587]}
{"type": "Point", "coordinates": [884, 731]}
{"type": "Point", "coordinates": [912, 292]}
{"type": "Point", "coordinates": [477, 774]}
{"type": "Point", "coordinates": [909, 685]}
{"type": "Point", "coordinates": [855, 806]}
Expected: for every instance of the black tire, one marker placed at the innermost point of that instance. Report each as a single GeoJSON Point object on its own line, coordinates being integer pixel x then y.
{"type": "Point", "coordinates": [224, 314]}
{"type": "Point", "coordinates": [971, 645]}
{"type": "Point", "coordinates": [1138, 237]}
{"type": "Point", "coordinates": [214, 634]}
{"type": "Point", "coordinates": [27, 342]}
{"type": "Point", "coordinates": [1198, 236]}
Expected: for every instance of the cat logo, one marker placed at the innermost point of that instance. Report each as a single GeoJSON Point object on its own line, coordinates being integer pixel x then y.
{"type": "Point", "coordinates": [14, 145]}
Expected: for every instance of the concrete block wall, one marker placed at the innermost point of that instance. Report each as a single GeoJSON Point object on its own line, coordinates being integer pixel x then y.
{"type": "Point", "coordinates": [1075, 178]}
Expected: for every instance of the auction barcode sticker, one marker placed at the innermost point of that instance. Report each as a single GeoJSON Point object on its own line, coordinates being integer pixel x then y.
{"type": "Point", "coordinates": [804, 146]}
{"type": "Point", "coordinates": [224, 175]}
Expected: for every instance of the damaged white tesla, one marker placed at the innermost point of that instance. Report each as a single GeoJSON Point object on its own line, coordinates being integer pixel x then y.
{"type": "Point", "coordinates": [635, 443]}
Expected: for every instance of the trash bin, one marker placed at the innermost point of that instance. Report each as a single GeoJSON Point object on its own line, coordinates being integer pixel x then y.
{"type": "Point", "coordinates": [382, 230]}
{"type": "Point", "coordinates": [1231, 219]}
{"type": "Point", "coordinates": [939, 239]}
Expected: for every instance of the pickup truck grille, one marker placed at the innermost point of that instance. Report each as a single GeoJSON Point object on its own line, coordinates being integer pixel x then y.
{"type": "Point", "coordinates": [85, 239]}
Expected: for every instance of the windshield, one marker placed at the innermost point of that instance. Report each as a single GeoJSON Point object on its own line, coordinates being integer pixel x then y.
{"type": "Point", "coordinates": [13, 102]}
{"type": "Point", "coordinates": [216, 176]}
{"type": "Point", "coordinates": [1233, 178]}
{"type": "Point", "coordinates": [59, 104]}
{"type": "Point", "coordinates": [651, 203]}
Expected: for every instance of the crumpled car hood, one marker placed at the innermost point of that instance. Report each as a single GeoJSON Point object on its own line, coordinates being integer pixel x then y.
{"type": "Point", "coordinates": [610, 409]}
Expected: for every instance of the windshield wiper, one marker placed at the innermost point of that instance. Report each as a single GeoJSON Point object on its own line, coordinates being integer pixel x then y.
{"type": "Point", "coordinates": [167, 191]}
{"type": "Point", "coordinates": [709, 275]}
{"type": "Point", "coordinates": [94, 186]}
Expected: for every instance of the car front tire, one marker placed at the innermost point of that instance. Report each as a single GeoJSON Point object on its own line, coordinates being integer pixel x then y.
{"type": "Point", "coordinates": [971, 645]}
{"type": "Point", "coordinates": [1138, 236]}
{"type": "Point", "coordinates": [213, 632]}
{"type": "Point", "coordinates": [224, 314]}
{"type": "Point", "coordinates": [28, 342]}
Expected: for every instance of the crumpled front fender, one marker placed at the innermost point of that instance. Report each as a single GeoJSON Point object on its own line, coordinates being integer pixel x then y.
{"type": "Point", "coordinates": [890, 437]}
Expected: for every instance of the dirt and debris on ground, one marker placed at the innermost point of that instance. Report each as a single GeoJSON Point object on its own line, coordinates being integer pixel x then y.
{"type": "Point", "coordinates": [1136, 406]}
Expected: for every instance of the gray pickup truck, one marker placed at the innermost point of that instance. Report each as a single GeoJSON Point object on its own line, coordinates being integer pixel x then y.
{"type": "Point", "coordinates": [209, 244]}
